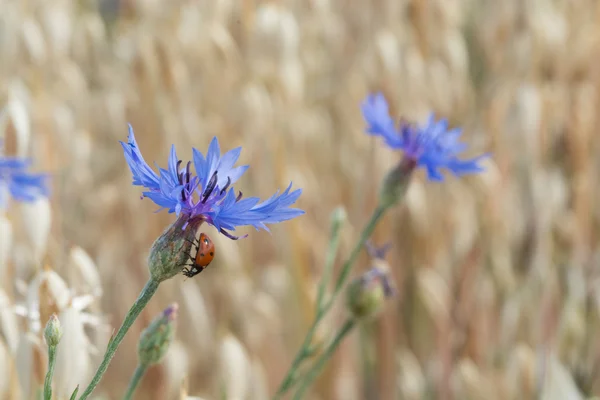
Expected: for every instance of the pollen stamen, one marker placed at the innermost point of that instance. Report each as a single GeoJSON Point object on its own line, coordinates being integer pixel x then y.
{"type": "Point", "coordinates": [230, 236]}
{"type": "Point", "coordinates": [179, 175]}
{"type": "Point", "coordinates": [226, 186]}
{"type": "Point", "coordinates": [210, 187]}
{"type": "Point", "coordinates": [188, 173]}
{"type": "Point", "coordinates": [239, 197]}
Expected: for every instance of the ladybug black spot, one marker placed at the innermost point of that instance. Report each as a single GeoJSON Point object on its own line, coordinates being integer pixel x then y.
{"type": "Point", "coordinates": [202, 254]}
{"type": "Point", "coordinates": [212, 253]}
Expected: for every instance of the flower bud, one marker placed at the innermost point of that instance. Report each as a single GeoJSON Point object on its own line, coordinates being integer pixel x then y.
{"type": "Point", "coordinates": [169, 253]}
{"type": "Point", "coordinates": [156, 338]}
{"type": "Point", "coordinates": [338, 217]}
{"type": "Point", "coordinates": [53, 331]}
{"type": "Point", "coordinates": [396, 183]}
{"type": "Point", "coordinates": [366, 295]}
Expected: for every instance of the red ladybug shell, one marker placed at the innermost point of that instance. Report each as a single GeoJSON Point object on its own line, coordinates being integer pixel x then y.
{"type": "Point", "coordinates": [206, 251]}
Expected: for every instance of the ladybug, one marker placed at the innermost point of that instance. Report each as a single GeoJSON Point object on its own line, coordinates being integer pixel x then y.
{"type": "Point", "coordinates": [205, 252]}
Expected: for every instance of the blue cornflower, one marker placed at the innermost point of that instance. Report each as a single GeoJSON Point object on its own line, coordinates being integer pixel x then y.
{"type": "Point", "coordinates": [208, 196]}
{"type": "Point", "coordinates": [20, 184]}
{"type": "Point", "coordinates": [431, 146]}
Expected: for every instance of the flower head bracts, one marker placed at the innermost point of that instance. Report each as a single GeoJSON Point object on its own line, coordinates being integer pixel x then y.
{"type": "Point", "coordinates": [209, 196]}
{"type": "Point", "coordinates": [20, 184]}
{"type": "Point", "coordinates": [431, 146]}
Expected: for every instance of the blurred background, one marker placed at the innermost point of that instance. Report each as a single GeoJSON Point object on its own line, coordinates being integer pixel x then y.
{"type": "Point", "coordinates": [499, 291]}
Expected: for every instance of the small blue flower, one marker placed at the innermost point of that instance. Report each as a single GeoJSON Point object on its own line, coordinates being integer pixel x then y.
{"type": "Point", "coordinates": [208, 196]}
{"type": "Point", "coordinates": [431, 146]}
{"type": "Point", "coordinates": [20, 184]}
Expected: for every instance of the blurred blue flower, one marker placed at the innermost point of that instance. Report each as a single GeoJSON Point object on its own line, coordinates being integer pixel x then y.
{"type": "Point", "coordinates": [431, 146]}
{"type": "Point", "coordinates": [208, 196]}
{"type": "Point", "coordinates": [20, 184]}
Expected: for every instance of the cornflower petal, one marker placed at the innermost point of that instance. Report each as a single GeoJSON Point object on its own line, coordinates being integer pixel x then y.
{"type": "Point", "coordinates": [250, 212]}
{"type": "Point", "coordinates": [143, 175]}
{"type": "Point", "coordinates": [209, 196]}
{"type": "Point", "coordinates": [18, 183]}
{"type": "Point", "coordinates": [376, 112]}
{"type": "Point", "coordinates": [431, 146]}
{"type": "Point", "coordinates": [224, 166]}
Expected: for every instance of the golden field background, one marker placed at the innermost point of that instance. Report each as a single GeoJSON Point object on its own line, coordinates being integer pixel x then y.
{"type": "Point", "coordinates": [499, 291]}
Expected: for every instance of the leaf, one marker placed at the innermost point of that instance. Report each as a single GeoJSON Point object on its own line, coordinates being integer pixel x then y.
{"type": "Point", "coordinates": [74, 395]}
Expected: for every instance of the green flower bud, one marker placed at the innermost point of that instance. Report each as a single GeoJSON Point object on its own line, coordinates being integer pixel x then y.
{"type": "Point", "coordinates": [338, 217]}
{"type": "Point", "coordinates": [156, 338]}
{"type": "Point", "coordinates": [169, 253]}
{"type": "Point", "coordinates": [395, 184]}
{"type": "Point", "coordinates": [53, 331]}
{"type": "Point", "coordinates": [366, 295]}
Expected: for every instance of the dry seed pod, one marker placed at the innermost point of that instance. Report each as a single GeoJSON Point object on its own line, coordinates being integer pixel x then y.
{"type": "Point", "coordinates": [57, 20]}
{"type": "Point", "coordinates": [31, 363]}
{"type": "Point", "coordinates": [34, 41]}
{"type": "Point", "coordinates": [292, 79]}
{"type": "Point", "coordinates": [456, 53]}
{"type": "Point", "coordinates": [416, 204]}
{"type": "Point", "coordinates": [196, 322]}
{"type": "Point", "coordinates": [5, 370]}
{"type": "Point", "coordinates": [259, 387]}
{"type": "Point", "coordinates": [464, 221]}
{"type": "Point", "coordinates": [73, 363]}
{"type": "Point", "coordinates": [261, 320]}
{"type": "Point", "coordinates": [234, 368]}
{"type": "Point", "coordinates": [37, 219]}
{"type": "Point", "coordinates": [16, 116]}
{"type": "Point", "coordinates": [558, 382]}
{"type": "Point", "coordinates": [434, 293]}
{"type": "Point", "coordinates": [470, 383]}
{"type": "Point", "coordinates": [177, 364]}
{"type": "Point", "coordinates": [5, 243]}
{"type": "Point", "coordinates": [410, 380]}
{"type": "Point", "coordinates": [276, 32]}
{"type": "Point", "coordinates": [85, 269]}
{"type": "Point", "coordinates": [9, 325]}
{"type": "Point", "coordinates": [572, 331]}
{"type": "Point", "coordinates": [520, 373]}
{"type": "Point", "coordinates": [388, 49]}
{"type": "Point", "coordinates": [47, 294]}
{"type": "Point", "coordinates": [275, 281]}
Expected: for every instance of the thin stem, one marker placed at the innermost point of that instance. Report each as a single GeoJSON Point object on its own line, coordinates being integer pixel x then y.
{"type": "Point", "coordinates": [365, 235]}
{"type": "Point", "coordinates": [322, 309]}
{"type": "Point", "coordinates": [318, 366]}
{"type": "Point", "coordinates": [135, 380]}
{"type": "Point", "coordinates": [366, 360]}
{"type": "Point", "coordinates": [303, 353]}
{"type": "Point", "coordinates": [135, 310]}
{"type": "Point", "coordinates": [334, 242]}
{"type": "Point", "coordinates": [50, 373]}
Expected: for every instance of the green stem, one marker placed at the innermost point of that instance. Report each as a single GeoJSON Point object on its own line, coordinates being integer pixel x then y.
{"type": "Point", "coordinates": [304, 352]}
{"type": "Point", "coordinates": [135, 380]}
{"type": "Point", "coordinates": [135, 310]}
{"type": "Point", "coordinates": [50, 373]}
{"type": "Point", "coordinates": [316, 369]}
{"type": "Point", "coordinates": [365, 235]}
{"type": "Point", "coordinates": [334, 243]}
{"type": "Point", "coordinates": [322, 309]}
{"type": "Point", "coordinates": [367, 362]}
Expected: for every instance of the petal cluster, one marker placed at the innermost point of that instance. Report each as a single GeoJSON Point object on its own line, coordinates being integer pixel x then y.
{"type": "Point", "coordinates": [208, 194]}
{"type": "Point", "coordinates": [18, 182]}
{"type": "Point", "coordinates": [431, 146]}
